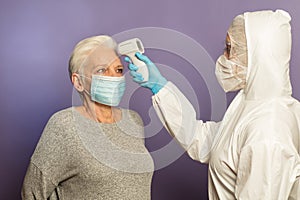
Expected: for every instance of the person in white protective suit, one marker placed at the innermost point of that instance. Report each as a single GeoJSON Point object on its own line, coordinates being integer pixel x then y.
{"type": "Point", "coordinates": [253, 153]}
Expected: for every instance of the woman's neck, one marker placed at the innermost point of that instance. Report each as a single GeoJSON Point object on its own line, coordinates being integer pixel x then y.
{"type": "Point", "coordinates": [99, 112]}
{"type": "Point", "coordinates": [104, 114]}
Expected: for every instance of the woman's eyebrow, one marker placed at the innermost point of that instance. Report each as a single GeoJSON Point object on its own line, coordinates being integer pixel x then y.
{"type": "Point", "coordinates": [102, 65]}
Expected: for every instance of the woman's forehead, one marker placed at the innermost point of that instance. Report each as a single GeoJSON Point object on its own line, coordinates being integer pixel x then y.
{"type": "Point", "coordinates": [102, 56]}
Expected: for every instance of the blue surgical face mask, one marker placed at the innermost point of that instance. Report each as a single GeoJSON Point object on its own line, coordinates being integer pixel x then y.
{"type": "Point", "coordinates": [107, 90]}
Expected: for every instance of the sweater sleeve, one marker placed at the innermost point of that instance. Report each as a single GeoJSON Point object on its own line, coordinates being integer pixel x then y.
{"type": "Point", "coordinates": [36, 185]}
{"type": "Point", "coordinates": [179, 118]}
{"type": "Point", "coordinates": [51, 161]}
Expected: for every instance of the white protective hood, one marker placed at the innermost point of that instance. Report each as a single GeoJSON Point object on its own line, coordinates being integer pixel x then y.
{"type": "Point", "coordinates": [268, 80]}
{"type": "Point", "coordinates": [268, 54]}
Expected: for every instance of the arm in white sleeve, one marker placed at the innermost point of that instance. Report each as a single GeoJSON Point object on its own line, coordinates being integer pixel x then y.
{"type": "Point", "coordinates": [179, 118]}
{"type": "Point", "coordinates": [269, 165]}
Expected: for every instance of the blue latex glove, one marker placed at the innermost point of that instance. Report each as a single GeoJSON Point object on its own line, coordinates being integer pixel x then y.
{"type": "Point", "coordinates": [155, 82]}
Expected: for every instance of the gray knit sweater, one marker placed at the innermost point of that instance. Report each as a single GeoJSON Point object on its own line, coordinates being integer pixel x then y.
{"type": "Point", "coordinates": [77, 158]}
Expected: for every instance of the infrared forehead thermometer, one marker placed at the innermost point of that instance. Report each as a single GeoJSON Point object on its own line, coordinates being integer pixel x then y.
{"type": "Point", "coordinates": [129, 48]}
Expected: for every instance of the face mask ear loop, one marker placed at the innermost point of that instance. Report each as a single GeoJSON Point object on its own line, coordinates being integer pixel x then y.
{"type": "Point", "coordinates": [84, 90]}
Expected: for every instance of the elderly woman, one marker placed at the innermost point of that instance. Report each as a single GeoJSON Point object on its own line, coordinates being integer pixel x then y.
{"type": "Point", "coordinates": [96, 150]}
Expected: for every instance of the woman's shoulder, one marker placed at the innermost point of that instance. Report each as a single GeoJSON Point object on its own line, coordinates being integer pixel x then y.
{"type": "Point", "coordinates": [60, 119]}
{"type": "Point", "coordinates": [62, 115]}
{"type": "Point", "coordinates": [66, 112]}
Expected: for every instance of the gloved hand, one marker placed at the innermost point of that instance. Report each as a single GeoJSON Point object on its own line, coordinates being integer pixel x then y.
{"type": "Point", "coordinates": [155, 82]}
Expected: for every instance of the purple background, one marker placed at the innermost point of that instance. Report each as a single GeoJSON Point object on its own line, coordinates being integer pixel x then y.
{"type": "Point", "coordinates": [37, 38]}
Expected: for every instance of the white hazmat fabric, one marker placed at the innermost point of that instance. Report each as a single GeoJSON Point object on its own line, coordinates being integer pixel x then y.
{"type": "Point", "coordinates": [253, 153]}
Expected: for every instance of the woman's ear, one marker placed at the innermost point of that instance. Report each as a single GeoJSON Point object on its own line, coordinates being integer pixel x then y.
{"type": "Point", "coordinates": [77, 83]}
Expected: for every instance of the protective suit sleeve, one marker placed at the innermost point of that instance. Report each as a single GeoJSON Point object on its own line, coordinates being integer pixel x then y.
{"type": "Point", "coordinates": [269, 165]}
{"type": "Point", "coordinates": [36, 185]}
{"type": "Point", "coordinates": [179, 118]}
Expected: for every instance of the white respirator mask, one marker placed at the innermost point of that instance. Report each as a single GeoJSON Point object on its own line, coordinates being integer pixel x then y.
{"type": "Point", "coordinates": [230, 75]}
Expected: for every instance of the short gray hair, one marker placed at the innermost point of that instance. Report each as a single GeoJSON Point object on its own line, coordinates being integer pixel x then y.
{"type": "Point", "coordinates": [83, 49]}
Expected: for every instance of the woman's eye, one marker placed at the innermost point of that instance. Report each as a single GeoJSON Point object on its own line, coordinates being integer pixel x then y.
{"type": "Point", "coordinates": [101, 71]}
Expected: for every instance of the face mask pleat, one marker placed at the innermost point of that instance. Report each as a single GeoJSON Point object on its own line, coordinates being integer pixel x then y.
{"type": "Point", "coordinates": [107, 90]}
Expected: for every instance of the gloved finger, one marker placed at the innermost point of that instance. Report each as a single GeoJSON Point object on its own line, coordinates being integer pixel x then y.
{"type": "Point", "coordinates": [138, 79]}
{"type": "Point", "coordinates": [127, 59]}
{"type": "Point", "coordinates": [136, 75]}
{"type": "Point", "coordinates": [143, 58]}
{"type": "Point", "coordinates": [133, 67]}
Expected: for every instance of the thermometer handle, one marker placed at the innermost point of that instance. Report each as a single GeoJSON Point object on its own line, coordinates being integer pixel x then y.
{"type": "Point", "coordinates": [142, 67]}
